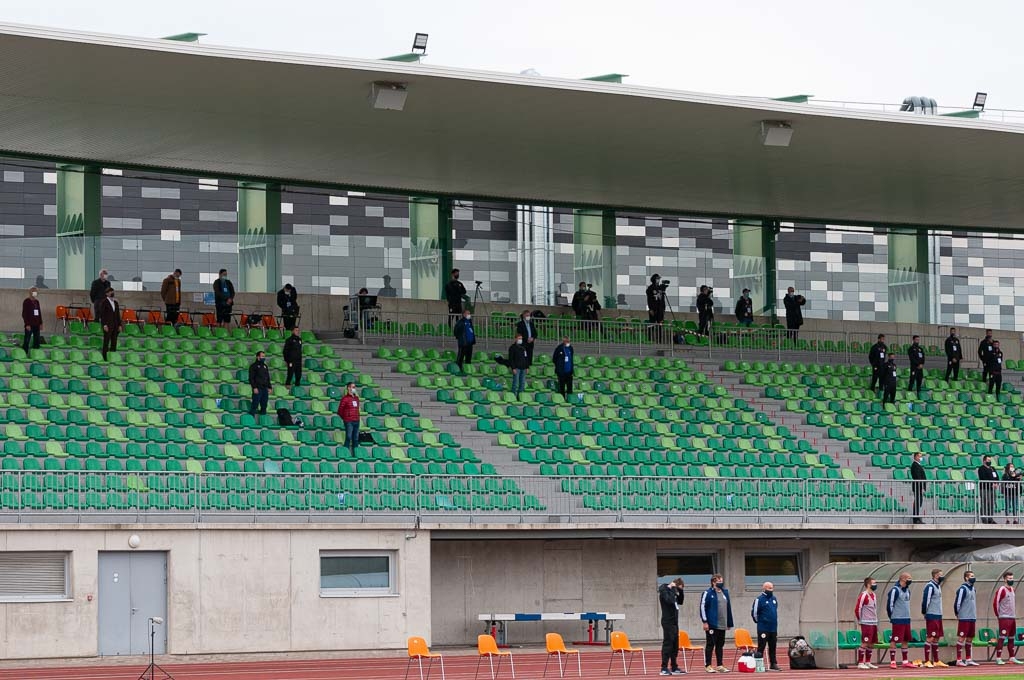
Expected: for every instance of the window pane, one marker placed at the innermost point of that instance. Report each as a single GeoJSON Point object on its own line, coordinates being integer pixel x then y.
{"type": "Point", "coordinates": [355, 572]}
{"type": "Point", "coordinates": [780, 569]}
{"type": "Point", "coordinates": [695, 570]}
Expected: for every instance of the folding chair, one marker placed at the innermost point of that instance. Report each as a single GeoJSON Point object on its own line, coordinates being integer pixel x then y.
{"type": "Point", "coordinates": [620, 645]}
{"type": "Point", "coordinates": [556, 645]}
{"type": "Point", "coordinates": [686, 645]}
{"type": "Point", "coordinates": [487, 646]}
{"type": "Point", "coordinates": [419, 651]}
{"type": "Point", "coordinates": [743, 643]}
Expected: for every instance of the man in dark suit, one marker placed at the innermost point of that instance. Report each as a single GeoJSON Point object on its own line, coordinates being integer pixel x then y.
{"type": "Point", "coordinates": [876, 358]}
{"type": "Point", "coordinates": [954, 355]}
{"type": "Point", "coordinates": [293, 357]}
{"type": "Point", "coordinates": [987, 478]}
{"type": "Point", "coordinates": [98, 292]}
{"type": "Point", "coordinates": [984, 351]}
{"type": "Point", "coordinates": [794, 315]}
{"type": "Point", "coordinates": [110, 319]}
{"type": "Point", "coordinates": [288, 302]}
{"type": "Point", "coordinates": [528, 330]}
{"type": "Point", "coordinates": [917, 484]}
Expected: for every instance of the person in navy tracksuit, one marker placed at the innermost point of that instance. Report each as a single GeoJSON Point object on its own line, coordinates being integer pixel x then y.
{"type": "Point", "coordinates": [765, 613]}
{"type": "Point", "coordinates": [716, 616]}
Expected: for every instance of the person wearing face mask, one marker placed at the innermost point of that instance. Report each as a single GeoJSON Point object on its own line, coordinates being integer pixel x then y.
{"type": "Point", "coordinates": [293, 357]}
{"type": "Point", "coordinates": [518, 361]}
{"type": "Point", "coordinates": [670, 596]}
{"type": "Point", "coordinates": [965, 607]}
{"type": "Point", "coordinates": [465, 336]}
{"type": "Point", "coordinates": [866, 614]}
{"type": "Point", "coordinates": [348, 409]}
{"type": "Point", "coordinates": [32, 316]}
{"type": "Point", "coordinates": [259, 381]}
{"type": "Point", "coordinates": [716, 618]}
{"type": "Point", "coordinates": [1005, 607]}
{"type": "Point", "coordinates": [223, 298]}
{"type": "Point", "coordinates": [454, 294]}
{"type": "Point", "coordinates": [994, 366]}
{"type": "Point", "coordinates": [170, 293]}
{"type": "Point", "coordinates": [98, 292]}
{"type": "Point", "coordinates": [897, 605]}
{"type": "Point", "coordinates": [890, 381]}
{"type": "Point", "coordinates": [987, 479]}
{"type": "Point", "coordinates": [1011, 492]}
{"type": "Point", "coordinates": [931, 607]}
{"type": "Point", "coordinates": [577, 300]}
{"type": "Point", "coordinates": [564, 359]}
{"type": "Point", "coordinates": [110, 320]}
{"type": "Point", "coordinates": [288, 303]}
{"type": "Point", "coordinates": [984, 350]}
{"type": "Point", "coordinates": [915, 354]}
{"type": "Point", "coordinates": [528, 330]}
{"type": "Point", "coordinates": [765, 612]}
{"type": "Point", "coordinates": [876, 358]}
{"type": "Point", "coordinates": [918, 480]}
{"type": "Point", "coordinates": [954, 355]}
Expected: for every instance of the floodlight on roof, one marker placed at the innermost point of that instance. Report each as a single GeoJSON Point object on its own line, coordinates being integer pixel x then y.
{"type": "Point", "coordinates": [419, 43]}
{"type": "Point", "coordinates": [776, 132]}
{"type": "Point", "coordinates": [979, 100]}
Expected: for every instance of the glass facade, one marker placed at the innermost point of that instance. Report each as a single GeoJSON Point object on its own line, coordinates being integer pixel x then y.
{"type": "Point", "coordinates": [336, 242]}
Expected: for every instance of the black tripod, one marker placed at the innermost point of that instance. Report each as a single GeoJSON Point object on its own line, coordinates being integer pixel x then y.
{"type": "Point", "coordinates": [478, 295]}
{"type": "Point", "coordinates": [152, 668]}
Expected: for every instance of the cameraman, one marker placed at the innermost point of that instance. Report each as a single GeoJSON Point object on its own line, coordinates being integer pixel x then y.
{"type": "Point", "coordinates": [590, 307]}
{"type": "Point", "coordinates": [656, 301]}
{"type": "Point", "coordinates": [794, 315]}
{"type": "Point", "coordinates": [705, 310]}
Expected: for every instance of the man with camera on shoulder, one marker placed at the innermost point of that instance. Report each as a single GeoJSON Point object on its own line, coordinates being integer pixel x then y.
{"type": "Point", "coordinates": [705, 310]}
{"type": "Point", "coordinates": [656, 302]}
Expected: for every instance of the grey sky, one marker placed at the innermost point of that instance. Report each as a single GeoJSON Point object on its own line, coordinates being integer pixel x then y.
{"type": "Point", "coordinates": [856, 51]}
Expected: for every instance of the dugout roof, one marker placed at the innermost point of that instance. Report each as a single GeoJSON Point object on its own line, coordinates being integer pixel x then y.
{"type": "Point", "coordinates": [236, 112]}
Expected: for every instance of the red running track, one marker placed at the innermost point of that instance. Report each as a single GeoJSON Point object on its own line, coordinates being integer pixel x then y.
{"type": "Point", "coordinates": [458, 666]}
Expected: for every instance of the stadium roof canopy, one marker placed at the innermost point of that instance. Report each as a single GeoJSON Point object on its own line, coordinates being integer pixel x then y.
{"type": "Point", "coordinates": [235, 112]}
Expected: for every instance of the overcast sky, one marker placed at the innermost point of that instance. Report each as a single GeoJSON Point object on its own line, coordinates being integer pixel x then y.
{"type": "Point", "coordinates": [868, 50]}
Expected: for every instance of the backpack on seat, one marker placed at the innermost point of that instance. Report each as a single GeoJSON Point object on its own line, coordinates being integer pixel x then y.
{"type": "Point", "coordinates": [284, 417]}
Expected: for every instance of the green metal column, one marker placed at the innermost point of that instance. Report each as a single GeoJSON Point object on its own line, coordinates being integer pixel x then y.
{"type": "Point", "coordinates": [430, 244]}
{"type": "Point", "coordinates": [908, 276]}
{"type": "Point", "coordinates": [259, 233]}
{"type": "Point", "coordinates": [593, 260]}
{"type": "Point", "coordinates": [754, 264]}
{"type": "Point", "coordinates": [79, 225]}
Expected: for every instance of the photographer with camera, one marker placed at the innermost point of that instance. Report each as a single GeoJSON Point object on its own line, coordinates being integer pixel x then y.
{"type": "Point", "coordinates": [794, 315]}
{"type": "Point", "coordinates": [454, 293]}
{"type": "Point", "coordinates": [656, 302]}
{"type": "Point", "coordinates": [705, 310]}
{"type": "Point", "coordinates": [590, 307]}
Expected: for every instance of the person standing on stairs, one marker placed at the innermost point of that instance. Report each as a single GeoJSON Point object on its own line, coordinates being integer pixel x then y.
{"type": "Point", "coordinates": [876, 357]}
{"type": "Point", "coordinates": [348, 409]}
{"type": "Point", "coordinates": [984, 350]}
{"type": "Point", "coordinates": [918, 480]}
{"type": "Point", "coordinates": [954, 355]}
{"type": "Point", "coordinates": [293, 357]}
{"type": "Point", "coordinates": [465, 336]}
{"type": "Point", "coordinates": [915, 353]}
{"type": "Point", "coordinates": [564, 359]}
{"type": "Point", "coordinates": [994, 368]}
{"type": "Point", "coordinates": [890, 381]}
{"type": "Point", "coordinates": [518, 361]}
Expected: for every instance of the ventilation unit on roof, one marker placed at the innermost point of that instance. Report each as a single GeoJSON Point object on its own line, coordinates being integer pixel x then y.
{"type": "Point", "coordinates": [922, 105]}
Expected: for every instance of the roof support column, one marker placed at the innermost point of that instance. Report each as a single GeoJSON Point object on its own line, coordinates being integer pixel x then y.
{"type": "Point", "coordinates": [908, 276]}
{"type": "Point", "coordinates": [430, 244]}
{"type": "Point", "coordinates": [79, 225]}
{"type": "Point", "coordinates": [754, 264]}
{"type": "Point", "coordinates": [593, 259]}
{"type": "Point", "coordinates": [259, 233]}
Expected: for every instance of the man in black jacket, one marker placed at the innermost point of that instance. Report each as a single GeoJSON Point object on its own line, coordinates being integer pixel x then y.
{"type": "Point", "coordinates": [794, 315]}
{"type": "Point", "coordinates": [259, 381]}
{"type": "Point", "coordinates": [745, 308]}
{"type": "Point", "coordinates": [528, 330]}
{"type": "Point", "coordinates": [110, 320]}
{"type": "Point", "coordinates": [876, 357]}
{"type": "Point", "coordinates": [293, 357]}
{"type": "Point", "coordinates": [915, 353]}
{"type": "Point", "coordinates": [454, 292]}
{"type": "Point", "coordinates": [995, 369]}
{"type": "Point", "coordinates": [954, 355]}
{"type": "Point", "coordinates": [564, 359]}
{"type": "Point", "coordinates": [577, 299]}
{"type": "Point", "coordinates": [705, 311]}
{"type": "Point", "coordinates": [518, 361]}
{"type": "Point", "coordinates": [917, 485]}
{"type": "Point", "coordinates": [987, 478]}
{"type": "Point", "coordinates": [889, 377]}
{"type": "Point", "coordinates": [984, 350]}
{"type": "Point", "coordinates": [98, 292]}
{"type": "Point", "coordinates": [465, 336]}
{"type": "Point", "coordinates": [223, 298]}
{"type": "Point", "coordinates": [670, 596]}
{"type": "Point", "coordinates": [287, 302]}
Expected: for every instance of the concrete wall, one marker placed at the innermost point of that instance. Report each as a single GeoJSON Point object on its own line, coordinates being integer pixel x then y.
{"type": "Point", "coordinates": [508, 576]}
{"type": "Point", "coordinates": [253, 589]}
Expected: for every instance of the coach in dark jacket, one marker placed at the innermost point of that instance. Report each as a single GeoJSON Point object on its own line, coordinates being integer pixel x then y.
{"type": "Point", "coordinates": [765, 612]}
{"type": "Point", "coordinates": [670, 597]}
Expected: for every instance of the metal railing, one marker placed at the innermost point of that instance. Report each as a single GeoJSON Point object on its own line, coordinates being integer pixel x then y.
{"type": "Point", "coordinates": [97, 496]}
{"type": "Point", "coordinates": [495, 332]}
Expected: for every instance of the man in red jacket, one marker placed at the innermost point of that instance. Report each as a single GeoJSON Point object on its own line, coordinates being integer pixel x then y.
{"type": "Point", "coordinates": [32, 315]}
{"type": "Point", "coordinates": [349, 412]}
